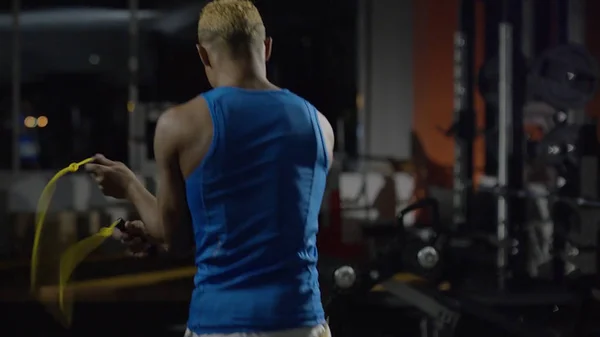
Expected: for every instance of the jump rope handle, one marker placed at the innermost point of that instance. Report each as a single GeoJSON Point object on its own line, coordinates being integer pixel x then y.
{"type": "Point", "coordinates": [120, 224]}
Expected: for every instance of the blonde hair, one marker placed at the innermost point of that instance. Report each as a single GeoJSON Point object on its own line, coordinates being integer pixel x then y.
{"type": "Point", "coordinates": [237, 23]}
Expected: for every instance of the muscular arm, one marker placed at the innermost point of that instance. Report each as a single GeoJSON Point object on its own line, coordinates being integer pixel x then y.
{"type": "Point", "coordinates": [163, 214]}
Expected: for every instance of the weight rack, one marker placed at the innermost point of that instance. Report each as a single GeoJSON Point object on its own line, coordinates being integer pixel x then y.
{"type": "Point", "coordinates": [511, 261]}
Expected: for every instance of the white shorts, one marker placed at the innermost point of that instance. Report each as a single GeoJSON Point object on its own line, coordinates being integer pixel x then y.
{"type": "Point", "coordinates": [315, 331]}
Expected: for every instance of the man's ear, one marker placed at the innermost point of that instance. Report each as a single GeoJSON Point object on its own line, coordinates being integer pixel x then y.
{"type": "Point", "coordinates": [268, 48]}
{"type": "Point", "coordinates": [203, 55]}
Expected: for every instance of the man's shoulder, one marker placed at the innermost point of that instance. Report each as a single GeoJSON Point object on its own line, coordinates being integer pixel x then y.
{"type": "Point", "coordinates": [188, 114]}
{"type": "Point", "coordinates": [195, 106]}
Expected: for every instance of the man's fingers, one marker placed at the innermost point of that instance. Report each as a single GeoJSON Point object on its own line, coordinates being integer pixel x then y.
{"type": "Point", "coordinates": [138, 248]}
{"type": "Point", "coordinates": [95, 169]}
{"type": "Point", "coordinates": [117, 234]}
{"type": "Point", "coordinates": [124, 236]}
{"type": "Point", "coordinates": [102, 160]}
{"type": "Point", "coordinates": [137, 255]}
{"type": "Point", "coordinates": [99, 165]}
{"type": "Point", "coordinates": [132, 236]}
{"type": "Point", "coordinates": [134, 228]}
{"type": "Point", "coordinates": [134, 243]}
{"type": "Point", "coordinates": [134, 224]}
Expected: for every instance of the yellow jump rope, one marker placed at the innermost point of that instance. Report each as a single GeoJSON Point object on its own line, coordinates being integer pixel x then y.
{"type": "Point", "coordinates": [73, 255]}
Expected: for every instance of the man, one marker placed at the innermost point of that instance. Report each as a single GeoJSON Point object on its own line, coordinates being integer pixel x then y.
{"type": "Point", "coordinates": [249, 160]}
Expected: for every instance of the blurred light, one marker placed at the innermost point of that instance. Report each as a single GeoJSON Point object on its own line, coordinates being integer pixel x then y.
{"type": "Point", "coordinates": [130, 106]}
{"type": "Point", "coordinates": [42, 121]}
{"type": "Point", "coordinates": [30, 122]}
{"type": "Point", "coordinates": [94, 59]}
{"type": "Point", "coordinates": [360, 102]}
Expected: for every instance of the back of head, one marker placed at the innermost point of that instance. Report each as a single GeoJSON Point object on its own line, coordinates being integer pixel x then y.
{"type": "Point", "coordinates": [234, 24]}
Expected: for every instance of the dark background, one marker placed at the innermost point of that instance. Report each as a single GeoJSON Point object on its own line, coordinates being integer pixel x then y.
{"type": "Point", "coordinates": [314, 56]}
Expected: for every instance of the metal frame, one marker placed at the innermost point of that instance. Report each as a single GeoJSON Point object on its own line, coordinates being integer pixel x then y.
{"type": "Point", "coordinates": [364, 68]}
{"type": "Point", "coordinates": [575, 33]}
{"type": "Point", "coordinates": [504, 136]}
{"type": "Point", "coordinates": [491, 111]}
{"type": "Point", "coordinates": [527, 29]}
{"type": "Point", "coordinates": [77, 197]}
{"type": "Point", "coordinates": [464, 113]}
{"type": "Point", "coordinates": [569, 183]}
{"type": "Point", "coordinates": [133, 85]}
{"type": "Point", "coordinates": [135, 158]}
{"type": "Point", "coordinates": [511, 259]}
{"type": "Point", "coordinates": [16, 86]}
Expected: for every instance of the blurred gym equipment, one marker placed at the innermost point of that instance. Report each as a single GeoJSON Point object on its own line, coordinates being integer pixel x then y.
{"type": "Point", "coordinates": [518, 257]}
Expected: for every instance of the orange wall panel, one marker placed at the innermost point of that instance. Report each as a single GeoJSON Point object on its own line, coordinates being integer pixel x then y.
{"type": "Point", "coordinates": [435, 24]}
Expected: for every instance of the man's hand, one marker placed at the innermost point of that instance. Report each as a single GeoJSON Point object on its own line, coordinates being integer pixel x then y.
{"type": "Point", "coordinates": [135, 238]}
{"type": "Point", "coordinates": [114, 178]}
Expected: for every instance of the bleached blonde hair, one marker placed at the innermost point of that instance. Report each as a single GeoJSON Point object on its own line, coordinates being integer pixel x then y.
{"type": "Point", "coordinates": [234, 23]}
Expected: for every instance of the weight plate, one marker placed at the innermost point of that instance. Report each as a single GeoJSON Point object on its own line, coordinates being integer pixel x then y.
{"type": "Point", "coordinates": [560, 146]}
{"type": "Point", "coordinates": [565, 77]}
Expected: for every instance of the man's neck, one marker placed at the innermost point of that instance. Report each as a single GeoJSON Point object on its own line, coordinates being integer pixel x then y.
{"type": "Point", "coordinates": [248, 82]}
{"type": "Point", "coordinates": [250, 75]}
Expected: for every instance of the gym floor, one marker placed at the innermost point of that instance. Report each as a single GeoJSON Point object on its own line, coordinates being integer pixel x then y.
{"type": "Point", "coordinates": [148, 297]}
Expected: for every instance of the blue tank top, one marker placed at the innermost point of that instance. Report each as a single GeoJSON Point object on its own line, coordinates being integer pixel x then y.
{"type": "Point", "coordinates": [254, 202]}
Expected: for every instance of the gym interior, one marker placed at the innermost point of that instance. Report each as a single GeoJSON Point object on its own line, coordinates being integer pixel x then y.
{"type": "Point", "coordinates": [463, 198]}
